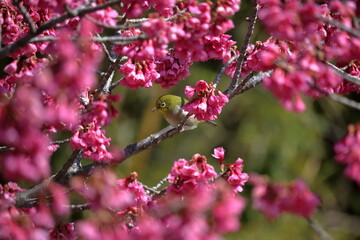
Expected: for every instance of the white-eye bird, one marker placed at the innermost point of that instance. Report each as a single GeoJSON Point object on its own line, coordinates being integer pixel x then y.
{"type": "Point", "coordinates": [170, 107]}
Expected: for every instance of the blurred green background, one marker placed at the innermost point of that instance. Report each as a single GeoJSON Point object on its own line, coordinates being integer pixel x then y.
{"type": "Point", "coordinates": [255, 127]}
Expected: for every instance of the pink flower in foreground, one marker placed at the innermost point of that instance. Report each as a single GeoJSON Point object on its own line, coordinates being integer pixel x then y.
{"type": "Point", "coordinates": [217, 47]}
{"type": "Point", "coordinates": [208, 102]}
{"type": "Point", "coordinates": [186, 175]}
{"type": "Point", "coordinates": [227, 209]}
{"type": "Point", "coordinates": [136, 188]}
{"type": "Point", "coordinates": [63, 231]}
{"type": "Point", "coordinates": [171, 70]}
{"type": "Point", "coordinates": [93, 142]}
{"type": "Point", "coordinates": [153, 48]}
{"type": "Point", "coordinates": [300, 200]}
{"type": "Point", "coordinates": [227, 8]}
{"type": "Point", "coordinates": [274, 199]}
{"type": "Point", "coordinates": [347, 151]}
{"type": "Point", "coordinates": [102, 191]}
{"type": "Point", "coordinates": [138, 74]}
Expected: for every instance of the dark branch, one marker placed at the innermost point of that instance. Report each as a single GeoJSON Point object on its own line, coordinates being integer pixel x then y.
{"type": "Point", "coordinates": [320, 231]}
{"type": "Point", "coordinates": [76, 154]}
{"type": "Point", "coordinates": [340, 26]}
{"type": "Point", "coordinates": [25, 14]}
{"type": "Point", "coordinates": [108, 76]}
{"type": "Point", "coordinates": [118, 40]}
{"type": "Point", "coordinates": [345, 101]}
{"type": "Point", "coordinates": [244, 46]}
{"type": "Point", "coordinates": [345, 75]}
{"type": "Point", "coordinates": [223, 68]}
{"type": "Point", "coordinates": [251, 83]}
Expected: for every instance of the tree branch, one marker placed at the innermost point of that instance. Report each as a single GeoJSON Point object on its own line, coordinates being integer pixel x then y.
{"type": "Point", "coordinates": [118, 40]}
{"type": "Point", "coordinates": [244, 46]}
{"type": "Point", "coordinates": [340, 26]}
{"type": "Point", "coordinates": [108, 76]}
{"type": "Point", "coordinates": [25, 14]}
{"type": "Point", "coordinates": [320, 231]}
{"type": "Point", "coordinates": [223, 68]}
{"type": "Point", "coordinates": [345, 101]}
{"type": "Point", "coordinates": [345, 75]}
{"type": "Point", "coordinates": [76, 154]}
{"type": "Point", "coordinates": [251, 83]}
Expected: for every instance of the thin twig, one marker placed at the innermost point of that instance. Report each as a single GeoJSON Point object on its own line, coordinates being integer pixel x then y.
{"type": "Point", "coordinates": [60, 141]}
{"type": "Point", "coordinates": [118, 40]}
{"type": "Point", "coordinates": [319, 230]}
{"type": "Point", "coordinates": [162, 182]}
{"type": "Point", "coordinates": [149, 189]}
{"type": "Point", "coordinates": [341, 26]}
{"type": "Point", "coordinates": [131, 23]}
{"type": "Point", "coordinates": [252, 82]}
{"type": "Point", "coordinates": [223, 68]}
{"type": "Point", "coordinates": [0, 36]}
{"type": "Point", "coordinates": [106, 51]}
{"type": "Point", "coordinates": [108, 26]}
{"type": "Point", "coordinates": [244, 46]}
{"type": "Point", "coordinates": [243, 83]}
{"type": "Point", "coordinates": [25, 14]}
{"type": "Point", "coordinates": [345, 101]}
{"type": "Point", "coordinates": [6, 148]}
{"type": "Point", "coordinates": [80, 207]}
{"type": "Point", "coordinates": [108, 76]}
{"type": "Point", "coordinates": [345, 75]}
{"type": "Point", "coordinates": [114, 85]}
{"type": "Point", "coordinates": [80, 11]}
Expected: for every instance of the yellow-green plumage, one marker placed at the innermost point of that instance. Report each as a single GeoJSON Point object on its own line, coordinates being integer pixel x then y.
{"type": "Point", "coordinates": [170, 107]}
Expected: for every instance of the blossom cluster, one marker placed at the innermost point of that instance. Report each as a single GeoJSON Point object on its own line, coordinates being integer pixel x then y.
{"type": "Point", "coordinates": [275, 199]}
{"type": "Point", "coordinates": [347, 151]}
{"type": "Point", "coordinates": [124, 208]}
{"type": "Point", "coordinates": [298, 51]}
{"type": "Point", "coordinates": [35, 222]}
{"type": "Point", "coordinates": [89, 136]}
{"type": "Point", "coordinates": [206, 103]}
{"type": "Point", "coordinates": [198, 35]}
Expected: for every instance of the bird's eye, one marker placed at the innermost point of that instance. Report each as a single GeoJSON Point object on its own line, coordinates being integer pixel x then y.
{"type": "Point", "coordinates": [163, 105]}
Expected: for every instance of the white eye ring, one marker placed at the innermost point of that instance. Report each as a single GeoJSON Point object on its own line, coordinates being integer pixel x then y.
{"type": "Point", "coordinates": [163, 105]}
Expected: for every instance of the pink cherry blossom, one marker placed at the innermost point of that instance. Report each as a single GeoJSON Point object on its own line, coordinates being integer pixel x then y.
{"type": "Point", "coordinates": [208, 102]}
{"type": "Point", "coordinates": [138, 74]}
{"type": "Point", "coordinates": [347, 151]}
{"type": "Point", "coordinates": [171, 70]}
{"type": "Point", "coordinates": [92, 140]}
{"type": "Point", "coordinates": [274, 199]}
{"type": "Point", "coordinates": [20, 127]}
{"type": "Point", "coordinates": [186, 175]}
{"type": "Point", "coordinates": [227, 209]}
{"type": "Point", "coordinates": [227, 8]}
{"type": "Point", "coordinates": [235, 175]}
{"type": "Point", "coordinates": [346, 87]}
{"type": "Point", "coordinates": [102, 191]}
{"type": "Point", "coordinates": [219, 154]}
{"type": "Point", "coordinates": [63, 231]}
{"type": "Point", "coordinates": [137, 189]}
{"type": "Point", "coordinates": [217, 47]}
{"type": "Point", "coordinates": [153, 48]}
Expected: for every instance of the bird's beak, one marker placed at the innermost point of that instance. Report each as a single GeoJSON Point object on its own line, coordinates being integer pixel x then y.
{"type": "Point", "coordinates": [155, 108]}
